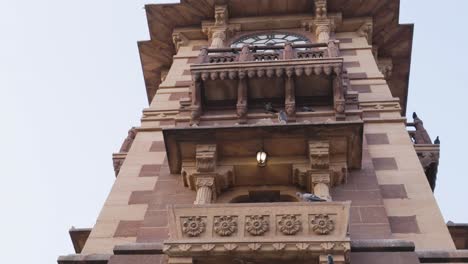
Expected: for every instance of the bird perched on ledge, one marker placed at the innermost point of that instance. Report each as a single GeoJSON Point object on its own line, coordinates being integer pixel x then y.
{"type": "Point", "coordinates": [330, 259]}
{"type": "Point", "coordinates": [282, 117]}
{"type": "Point", "coordinates": [310, 197]}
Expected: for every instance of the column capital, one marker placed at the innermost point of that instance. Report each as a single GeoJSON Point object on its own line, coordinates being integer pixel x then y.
{"type": "Point", "coordinates": [205, 181]}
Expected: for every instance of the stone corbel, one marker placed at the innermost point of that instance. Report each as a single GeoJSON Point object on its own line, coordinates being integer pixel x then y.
{"type": "Point", "coordinates": [321, 11]}
{"type": "Point", "coordinates": [206, 158]}
{"type": "Point", "coordinates": [386, 67]}
{"type": "Point", "coordinates": [366, 30]}
{"type": "Point", "coordinates": [221, 15]}
{"type": "Point", "coordinates": [179, 40]}
{"type": "Point", "coordinates": [219, 30]}
{"type": "Point", "coordinates": [319, 155]}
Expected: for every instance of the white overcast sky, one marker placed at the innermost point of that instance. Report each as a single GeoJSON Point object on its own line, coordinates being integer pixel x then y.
{"type": "Point", "coordinates": [71, 86]}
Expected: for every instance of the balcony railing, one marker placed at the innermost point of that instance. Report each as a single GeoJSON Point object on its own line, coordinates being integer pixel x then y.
{"type": "Point", "coordinates": [428, 151]}
{"type": "Point", "coordinates": [250, 75]}
{"type": "Point", "coordinates": [277, 229]}
{"type": "Point", "coordinates": [269, 53]}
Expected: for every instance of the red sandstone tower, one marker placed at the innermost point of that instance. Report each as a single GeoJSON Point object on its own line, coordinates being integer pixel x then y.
{"type": "Point", "coordinates": [254, 101]}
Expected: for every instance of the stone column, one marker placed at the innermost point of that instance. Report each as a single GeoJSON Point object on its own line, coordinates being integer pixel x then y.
{"type": "Point", "coordinates": [290, 95]}
{"type": "Point", "coordinates": [205, 187]}
{"type": "Point", "coordinates": [242, 99]}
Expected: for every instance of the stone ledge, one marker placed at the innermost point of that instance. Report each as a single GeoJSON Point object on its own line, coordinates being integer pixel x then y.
{"type": "Point", "coordinates": [456, 256]}
{"type": "Point", "coordinates": [382, 245]}
{"type": "Point", "coordinates": [84, 259]}
{"type": "Point", "coordinates": [139, 249]}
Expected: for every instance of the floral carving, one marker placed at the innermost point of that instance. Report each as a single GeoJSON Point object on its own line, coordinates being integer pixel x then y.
{"type": "Point", "coordinates": [185, 247]}
{"type": "Point", "coordinates": [302, 246]}
{"type": "Point", "coordinates": [225, 225]}
{"type": "Point", "coordinates": [289, 225]}
{"type": "Point", "coordinates": [193, 226]}
{"type": "Point", "coordinates": [322, 224]}
{"type": "Point", "coordinates": [257, 225]}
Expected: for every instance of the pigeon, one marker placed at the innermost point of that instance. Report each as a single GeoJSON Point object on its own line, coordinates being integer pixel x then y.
{"type": "Point", "coordinates": [269, 108]}
{"type": "Point", "coordinates": [307, 109]}
{"type": "Point", "coordinates": [330, 259]}
{"type": "Point", "coordinates": [437, 141]}
{"type": "Point", "coordinates": [282, 117]}
{"type": "Point", "coordinates": [309, 197]}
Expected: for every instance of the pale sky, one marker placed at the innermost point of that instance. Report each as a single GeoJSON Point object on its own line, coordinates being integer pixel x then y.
{"type": "Point", "coordinates": [71, 86]}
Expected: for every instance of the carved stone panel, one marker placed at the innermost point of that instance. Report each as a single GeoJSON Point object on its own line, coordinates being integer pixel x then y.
{"type": "Point", "coordinates": [206, 158]}
{"type": "Point", "coordinates": [319, 154]}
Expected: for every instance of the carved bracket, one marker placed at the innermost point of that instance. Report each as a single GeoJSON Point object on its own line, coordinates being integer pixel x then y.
{"type": "Point", "coordinates": [385, 67]}
{"type": "Point", "coordinates": [319, 155]}
{"type": "Point", "coordinates": [366, 31]}
{"type": "Point", "coordinates": [179, 40]}
{"type": "Point", "coordinates": [206, 158]}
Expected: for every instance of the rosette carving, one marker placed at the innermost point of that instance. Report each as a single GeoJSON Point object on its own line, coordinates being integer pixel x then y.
{"type": "Point", "coordinates": [225, 225]}
{"type": "Point", "coordinates": [322, 224]}
{"type": "Point", "coordinates": [193, 226]}
{"type": "Point", "coordinates": [289, 225]}
{"type": "Point", "coordinates": [257, 225]}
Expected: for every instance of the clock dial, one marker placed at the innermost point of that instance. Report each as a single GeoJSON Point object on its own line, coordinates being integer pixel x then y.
{"type": "Point", "coordinates": [270, 39]}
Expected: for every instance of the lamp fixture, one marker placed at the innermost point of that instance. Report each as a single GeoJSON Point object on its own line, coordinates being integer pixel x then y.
{"type": "Point", "coordinates": [262, 158]}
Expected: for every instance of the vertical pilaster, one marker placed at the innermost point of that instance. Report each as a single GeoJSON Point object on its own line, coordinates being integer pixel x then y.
{"type": "Point", "coordinates": [290, 95]}
{"type": "Point", "coordinates": [242, 99]}
{"type": "Point", "coordinates": [338, 96]}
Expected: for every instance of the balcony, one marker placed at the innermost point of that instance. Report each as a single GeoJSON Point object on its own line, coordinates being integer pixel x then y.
{"type": "Point", "coordinates": [274, 230]}
{"type": "Point", "coordinates": [428, 152]}
{"type": "Point", "coordinates": [290, 78]}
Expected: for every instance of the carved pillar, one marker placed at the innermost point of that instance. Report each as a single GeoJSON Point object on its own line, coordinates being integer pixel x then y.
{"type": "Point", "coordinates": [195, 91]}
{"type": "Point", "coordinates": [290, 95]}
{"type": "Point", "coordinates": [338, 96]}
{"type": "Point", "coordinates": [242, 98]}
{"type": "Point", "coordinates": [205, 189]}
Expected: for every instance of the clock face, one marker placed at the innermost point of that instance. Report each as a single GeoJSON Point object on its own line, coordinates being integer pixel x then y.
{"type": "Point", "coordinates": [270, 39]}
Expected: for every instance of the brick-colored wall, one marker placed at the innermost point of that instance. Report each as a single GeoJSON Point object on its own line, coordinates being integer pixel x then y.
{"type": "Point", "coordinates": [390, 194]}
